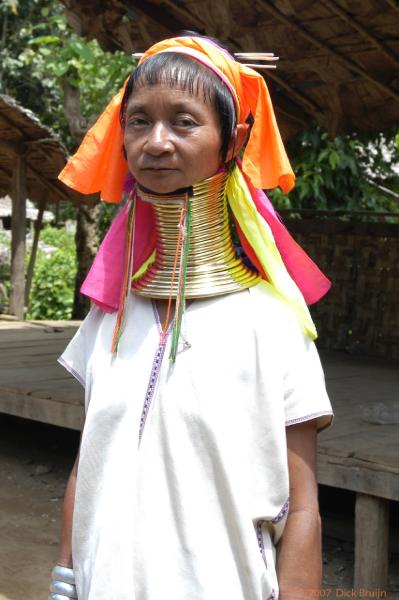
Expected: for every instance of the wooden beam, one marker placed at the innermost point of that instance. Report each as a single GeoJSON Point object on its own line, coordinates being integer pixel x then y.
{"type": "Point", "coordinates": [32, 258]}
{"type": "Point", "coordinates": [15, 149]}
{"type": "Point", "coordinates": [187, 17]}
{"type": "Point", "coordinates": [347, 18]}
{"type": "Point", "coordinates": [340, 471]}
{"type": "Point", "coordinates": [371, 543]}
{"type": "Point", "coordinates": [161, 17]}
{"type": "Point", "coordinates": [292, 109]}
{"type": "Point", "coordinates": [299, 119]}
{"type": "Point", "coordinates": [348, 63]}
{"type": "Point", "coordinates": [46, 140]}
{"type": "Point", "coordinates": [47, 185]}
{"type": "Point", "coordinates": [308, 105]}
{"type": "Point", "coordinates": [393, 4]}
{"type": "Point", "coordinates": [10, 147]}
{"type": "Point", "coordinates": [6, 173]}
{"type": "Point", "coordinates": [18, 233]}
{"type": "Point", "coordinates": [11, 126]}
{"type": "Point", "coordinates": [44, 410]}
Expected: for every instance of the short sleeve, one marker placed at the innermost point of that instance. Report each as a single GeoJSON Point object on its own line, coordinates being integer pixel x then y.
{"type": "Point", "coordinates": [76, 355]}
{"type": "Point", "coordinates": [305, 394]}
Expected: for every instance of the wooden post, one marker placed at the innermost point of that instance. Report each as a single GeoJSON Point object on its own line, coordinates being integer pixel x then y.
{"type": "Point", "coordinates": [18, 233]}
{"type": "Point", "coordinates": [32, 258]}
{"type": "Point", "coordinates": [371, 542]}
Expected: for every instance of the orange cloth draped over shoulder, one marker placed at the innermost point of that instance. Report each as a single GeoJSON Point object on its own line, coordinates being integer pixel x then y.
{"type": "Point", "coordinates": [99, 165]}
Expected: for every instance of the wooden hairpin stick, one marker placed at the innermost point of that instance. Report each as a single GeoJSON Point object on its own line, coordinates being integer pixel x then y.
{"type": "Point", "coordinates": [256, 56]}
{"type": "Point", "coordinates": [247, 56]}
{"type": "Point", "coordinates": [253, 66]}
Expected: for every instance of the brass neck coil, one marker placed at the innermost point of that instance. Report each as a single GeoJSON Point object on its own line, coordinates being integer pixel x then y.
{"type": "Point", "coordinates": [213, 267]}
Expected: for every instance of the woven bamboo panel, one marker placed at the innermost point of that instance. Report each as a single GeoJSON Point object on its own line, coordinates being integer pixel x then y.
{"type": "Point", "coordinates": [361, 312]}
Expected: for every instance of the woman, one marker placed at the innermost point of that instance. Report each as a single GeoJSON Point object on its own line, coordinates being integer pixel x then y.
{"type": "Point", "coordinates": [204, 392]}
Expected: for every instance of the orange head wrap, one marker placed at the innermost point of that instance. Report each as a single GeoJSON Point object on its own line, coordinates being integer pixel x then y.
{"type": "Point", "coordinates": [99, 166]}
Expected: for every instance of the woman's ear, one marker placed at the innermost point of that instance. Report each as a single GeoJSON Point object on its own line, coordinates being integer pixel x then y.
{"type": "Point", "coordinates": [237, 140]}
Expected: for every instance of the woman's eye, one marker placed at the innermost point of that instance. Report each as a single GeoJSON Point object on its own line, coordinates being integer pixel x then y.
{"type": "Point", "coordinates": [137, 121]}
{"type": "Point", "coordinates": [185, 122]}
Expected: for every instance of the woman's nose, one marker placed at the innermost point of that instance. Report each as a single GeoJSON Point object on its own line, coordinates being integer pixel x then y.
{"type": "Point", "coordinates": [159, 140]}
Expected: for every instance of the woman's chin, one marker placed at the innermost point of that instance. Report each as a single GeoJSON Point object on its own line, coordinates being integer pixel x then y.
{"type": "Point", "coordinates": [168, 181]}
{"type": "Point", "coordinates": [164, 182]}
{"type": "Point", "coordinates": [160, 189]}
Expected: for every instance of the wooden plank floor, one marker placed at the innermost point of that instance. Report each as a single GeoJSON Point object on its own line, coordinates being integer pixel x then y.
{"type": "Point", "coordinates": [32, 384]}
{"type": "Point", "coordinates": [356, 453]}
{"type": "Point", "coordinates": [360, 451]}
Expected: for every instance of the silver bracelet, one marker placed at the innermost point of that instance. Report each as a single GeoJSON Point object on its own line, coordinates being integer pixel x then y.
{"type": "Point", "coordinates": [65, 574]}
{"type": "Point", "coordinates": [65, 589]}
{"type": "Point", "coordinates": [62, 586]}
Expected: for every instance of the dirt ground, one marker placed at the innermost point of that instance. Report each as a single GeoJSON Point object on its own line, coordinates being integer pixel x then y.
{"type": "Point", "coordinates": [35, 460]}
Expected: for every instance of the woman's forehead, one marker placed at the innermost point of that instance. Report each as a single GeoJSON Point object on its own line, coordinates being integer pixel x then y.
{"type": "Point", "coordinates": [179, 79]}
{"type": "Point", "coordinates": [174, 96]}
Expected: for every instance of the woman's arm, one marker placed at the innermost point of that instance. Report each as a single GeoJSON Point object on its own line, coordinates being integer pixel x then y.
{"type": "Point", "coordinates": [299, 561]}
{"type": "Point", "coordinates": [65, 549]}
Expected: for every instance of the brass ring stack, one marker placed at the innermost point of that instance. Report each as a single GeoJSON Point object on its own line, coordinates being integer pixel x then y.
{"type": "Point", "coordinates": [213, 267]}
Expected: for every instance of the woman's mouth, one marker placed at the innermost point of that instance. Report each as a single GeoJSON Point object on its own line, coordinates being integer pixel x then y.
{"type": "Point", "coordinates": [158, 168]}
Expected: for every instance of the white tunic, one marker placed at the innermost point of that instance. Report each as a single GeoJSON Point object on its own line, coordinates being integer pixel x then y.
{"type": "Point", "coordinates": [182, 488]}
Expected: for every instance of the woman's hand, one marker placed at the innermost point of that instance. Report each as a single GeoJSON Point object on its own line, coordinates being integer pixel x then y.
{"type": "Point", "coordinates": [299, 561]}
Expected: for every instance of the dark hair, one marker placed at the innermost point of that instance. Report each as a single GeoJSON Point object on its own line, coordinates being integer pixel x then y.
{"type": "Point", "coordinates": [184, 72]}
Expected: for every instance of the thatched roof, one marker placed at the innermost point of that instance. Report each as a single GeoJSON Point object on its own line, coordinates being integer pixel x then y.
{"type": "Point", "coordinates": [339, 60]}
{"type": "Point", "coordinates": [22, 132]}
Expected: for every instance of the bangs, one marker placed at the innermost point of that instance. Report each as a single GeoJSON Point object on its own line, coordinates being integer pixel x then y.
{"type": "Point", "coordinates": [177, 71]}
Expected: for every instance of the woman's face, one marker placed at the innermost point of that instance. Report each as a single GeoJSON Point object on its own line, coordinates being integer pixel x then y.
{"type": "Point", "coordinates": [172, 138]}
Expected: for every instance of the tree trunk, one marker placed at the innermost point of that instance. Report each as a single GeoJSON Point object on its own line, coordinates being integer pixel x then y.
{"type": "Point", "coordinates": [18, 244]}
{"type": "Point", "coordinates": [88, 215]}
{"type": "Point", "coordinates": [87, 240]}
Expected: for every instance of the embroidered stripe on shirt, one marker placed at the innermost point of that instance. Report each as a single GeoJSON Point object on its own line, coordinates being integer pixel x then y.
{"type": "Point", "coordinates": [282, 512]}
{"type": "Point", "coordinates": [260, 540]}
{"type": "Point", "coordinates": [156, 367]}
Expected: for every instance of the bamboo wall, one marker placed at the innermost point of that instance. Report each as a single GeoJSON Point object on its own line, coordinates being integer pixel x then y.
{"type": "Point", "coordinates": [361, 312]}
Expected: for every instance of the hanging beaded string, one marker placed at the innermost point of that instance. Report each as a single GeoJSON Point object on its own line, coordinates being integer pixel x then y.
{"type": "Point", "coordinates": [182, 249]}
{"type": "Point", "coordinates": [127, 273]}
{"type": "Point", "coordinates": [181, 295]}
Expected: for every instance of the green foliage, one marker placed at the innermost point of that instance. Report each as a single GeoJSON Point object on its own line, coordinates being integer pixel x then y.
{"type": "Point", "coordinates": [54, 277]}
{"type": "Point", "coordinates": [345, 172]}
{"type": "Point", "coordinates": [4, 239]}
{"type": "Point", "coordinates": [43, 53]}
{"type": "Point", "coordinates": [5, 251]}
